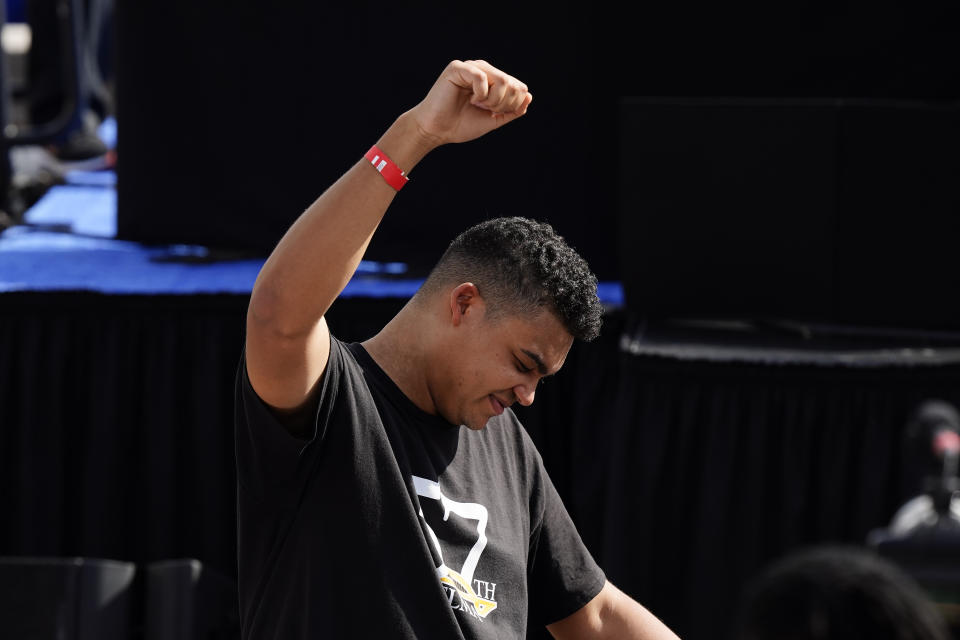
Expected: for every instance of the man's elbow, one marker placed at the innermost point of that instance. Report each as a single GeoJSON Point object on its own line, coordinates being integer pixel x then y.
{"type": "Point", "coordinates": [612, 614]}
{"type": "Point", "coordinates": [270, 317]}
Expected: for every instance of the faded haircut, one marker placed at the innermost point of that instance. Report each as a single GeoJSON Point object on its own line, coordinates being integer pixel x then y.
{"type": "Point", "coordinates": [521, 268]}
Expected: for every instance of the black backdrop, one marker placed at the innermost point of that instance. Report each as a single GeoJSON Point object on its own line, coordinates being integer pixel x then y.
{"type": "Point", "coordinates": [683, 476]}
{"type": "Point", "coordinates": [234, 116]}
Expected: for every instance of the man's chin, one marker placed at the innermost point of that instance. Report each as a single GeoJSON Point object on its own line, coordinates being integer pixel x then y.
{"type": "Point", "coordinates": [477, 426]}
{"type": "Point", "coordinates": [474, 424]}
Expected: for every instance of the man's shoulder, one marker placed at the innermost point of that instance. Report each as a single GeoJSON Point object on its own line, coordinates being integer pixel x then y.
{"type": "Point", "coordinates": [344, 360]}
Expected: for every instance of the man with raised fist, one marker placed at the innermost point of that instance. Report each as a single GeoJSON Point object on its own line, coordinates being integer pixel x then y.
{"type": "Point", "coordinates": [386, 489]}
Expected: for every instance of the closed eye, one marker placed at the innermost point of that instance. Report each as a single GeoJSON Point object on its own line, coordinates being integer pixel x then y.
{"type": "Point", "coordinates": [522, 368]}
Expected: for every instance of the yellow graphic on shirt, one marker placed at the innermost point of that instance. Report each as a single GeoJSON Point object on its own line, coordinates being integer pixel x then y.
{"type": "Point", "coordinates": [481, 605]}
{"type": "Point", "coordinates": [458, 584]}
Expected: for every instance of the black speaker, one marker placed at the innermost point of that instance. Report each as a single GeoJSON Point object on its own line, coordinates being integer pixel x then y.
{"type": "Point", "coordinates": [826, 211]}
{"type": "Point", "coordinates": [188, 601]}
{"type": "Point", "coordinates": [727, 207]}
{"type": "Point", "coordinates": [898, 206]}
{"type": "Point", "coordinates": [65, 598]}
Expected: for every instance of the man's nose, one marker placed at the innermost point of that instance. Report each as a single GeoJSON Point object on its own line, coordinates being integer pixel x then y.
{"type": "Point", "coordinates": [525, 394]}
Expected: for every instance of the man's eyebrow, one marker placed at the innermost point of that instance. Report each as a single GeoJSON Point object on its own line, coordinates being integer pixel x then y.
{"type": "Point", "coordinates": [541, 367]}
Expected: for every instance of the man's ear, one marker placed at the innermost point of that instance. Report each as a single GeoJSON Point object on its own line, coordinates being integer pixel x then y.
{"type": "Point", "coordinates": [465, 302]}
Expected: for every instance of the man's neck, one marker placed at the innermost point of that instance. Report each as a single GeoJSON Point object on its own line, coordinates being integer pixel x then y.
{"type": "Point", "coordinates": [399, 351]}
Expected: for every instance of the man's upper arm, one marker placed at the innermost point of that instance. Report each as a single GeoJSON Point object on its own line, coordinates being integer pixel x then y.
{"type": "Point", "coordinates": [284, 368]}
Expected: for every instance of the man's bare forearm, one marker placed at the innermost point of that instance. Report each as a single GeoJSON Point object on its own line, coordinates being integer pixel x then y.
{"type": "Point", "coordinates": [611, 614]}
{"type": "Point", "coordinates": [317, 256]}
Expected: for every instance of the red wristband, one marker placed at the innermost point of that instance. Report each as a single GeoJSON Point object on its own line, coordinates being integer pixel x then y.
{"type": "Point", "coordinates": [390, 171]}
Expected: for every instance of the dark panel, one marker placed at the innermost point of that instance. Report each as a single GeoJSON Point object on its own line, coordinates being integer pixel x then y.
{"type": "Point", "coordinates": [899, 204]}
{"type": "Point", "coordinates": [727, 207]}
{"type": "Point", "coordinates": [837, 212]}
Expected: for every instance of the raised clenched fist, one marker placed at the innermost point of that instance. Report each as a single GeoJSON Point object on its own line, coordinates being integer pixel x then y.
{"type": "Point", "coordinates": [469, 99]}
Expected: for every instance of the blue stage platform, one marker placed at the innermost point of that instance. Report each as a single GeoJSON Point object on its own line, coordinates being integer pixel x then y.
{"type": "Point", "coordinates": [68, 243]}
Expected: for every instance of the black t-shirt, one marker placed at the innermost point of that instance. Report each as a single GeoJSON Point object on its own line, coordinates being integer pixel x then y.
{"type": "Point", "coordinates": [388, 522]}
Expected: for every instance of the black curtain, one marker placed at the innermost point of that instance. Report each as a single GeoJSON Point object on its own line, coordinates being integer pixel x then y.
{"type": "Point", "coordinates": [115, 413]}
{"type": "Point", "coordinates": [684, 477]}
{"type": "Point", "coordinates": [116, 417]}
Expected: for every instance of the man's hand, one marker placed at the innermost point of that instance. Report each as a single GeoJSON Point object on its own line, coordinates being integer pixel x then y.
{"type": "Point", "coordinates": [468, 100]}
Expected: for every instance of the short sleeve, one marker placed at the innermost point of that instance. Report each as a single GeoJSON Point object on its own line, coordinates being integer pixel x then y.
{"type": "Point", "coordinates": [563, 575]}
{"type": "Point", "coordinates": [269, 457]}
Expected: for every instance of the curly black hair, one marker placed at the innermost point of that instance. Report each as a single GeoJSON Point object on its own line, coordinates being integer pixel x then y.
{"type": "Point", "coordinates": [522, 267]}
